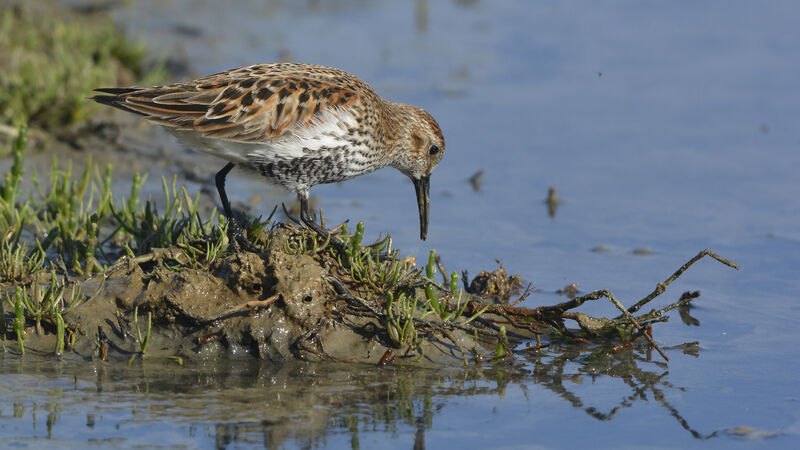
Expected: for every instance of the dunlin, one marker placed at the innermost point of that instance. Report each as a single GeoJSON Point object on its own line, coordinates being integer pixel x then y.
{"type": "Point", "coordinates": [298, 125]}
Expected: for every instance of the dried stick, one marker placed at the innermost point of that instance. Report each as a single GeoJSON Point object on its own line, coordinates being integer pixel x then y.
{"type": "Point", "coordinates": [534, 348]}
{"type": "Point", "coordinates": [661, 287]}
{"type": "Point", "coordinates": [345, 293]}
{"type": "Point", "coordinates": [155, 254]}
{"type": "Point", "coordinates": [440, 265]}
{"type": "Point", "coordinates": [523, 296]}
{"type": "Point", "coordinates": [629, 316]}
{"type": "Point", "coordinates": [557, 310]}
{"type": "Point", "coordinates": [249, 306]}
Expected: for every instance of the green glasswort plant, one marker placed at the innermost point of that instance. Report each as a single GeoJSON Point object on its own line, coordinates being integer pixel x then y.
{"type": "Point", "coordinates": [16, 261]}
{"type": "Point", "coordinates": [19, 319]}
{"type": "Point", "coordinates": [376, 265]}
{"type": "Point", "coordinates": [400, 320]}
{"type": "Point", "coordinates": [440, 306]}
{"type": "Point", "coordinates": [142, 340]}
{"type": "Point", "coordinates": [179, 225]}
{"type": "Point", "coordinates": [11, 215]}
{"type": "Point", "coordinates": [48, 302]}
{"type": "Point", "coordinates": [60, 331]}
{"type": "Point", "coordinates": [502, 349]}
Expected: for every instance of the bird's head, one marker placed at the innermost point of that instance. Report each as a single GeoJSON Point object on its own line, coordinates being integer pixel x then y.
{"type": "Point", "coordinates": [420, 147]}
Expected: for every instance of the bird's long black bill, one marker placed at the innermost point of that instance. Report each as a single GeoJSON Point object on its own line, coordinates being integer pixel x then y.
{"type": "Point", "coordinates": [422, 186]}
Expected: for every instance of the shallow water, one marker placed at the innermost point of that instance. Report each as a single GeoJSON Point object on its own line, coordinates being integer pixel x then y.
{"type": "Point", "coordinates": [538, 402]}
{"type": "Point", "coordinates": [669, 127]}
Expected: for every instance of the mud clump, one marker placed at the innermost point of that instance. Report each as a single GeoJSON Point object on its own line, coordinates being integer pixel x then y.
{"type": "Point", "coordinates": [209, 312]}
{"type": "Point", "coordinates": [275, 306]}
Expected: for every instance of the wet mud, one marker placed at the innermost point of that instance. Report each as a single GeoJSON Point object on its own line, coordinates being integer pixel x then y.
{"type": "Point", "coordinates": [273, 306]}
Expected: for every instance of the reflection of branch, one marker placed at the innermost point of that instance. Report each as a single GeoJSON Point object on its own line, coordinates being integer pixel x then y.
{"type": "Point", "coordinates": [551, 375]}
{"type": "Point", "coordinates": [661, 398]}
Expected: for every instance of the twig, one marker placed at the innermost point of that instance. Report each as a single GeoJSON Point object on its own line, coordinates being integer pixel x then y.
{"type": "Point", "coordinates": [244, 307]}
{"type": "Point", "coordinates": [630, 317]}
{"type": "Point", "coordinates": [172, 253]}
{"type": "Point", "coordinates": [661, 287]}
{"type": "Point", "coordinates": [303, 343]}
{"type": "Point", "coordinates": [491, 325]}
{"type": "Point", "coordinates": [522, 297]}
{"type": "Point", "coordinates": [446, 280]}
{"type": "Point", "coordinates": [557, 310]}
{"type": "Point", "coordinates": [344, 293]}
{"type": "Point", "coordinates": [655, 315]}
{"type": "Point", "coordinates": [535, 348]}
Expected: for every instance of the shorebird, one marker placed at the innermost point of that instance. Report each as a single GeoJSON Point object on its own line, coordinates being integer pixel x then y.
{"type": "Point", "coordinates": [298, 125]}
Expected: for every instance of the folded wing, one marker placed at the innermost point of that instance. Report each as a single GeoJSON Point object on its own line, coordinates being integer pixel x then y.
{"type": "Point", "coordinates": [251, 104]}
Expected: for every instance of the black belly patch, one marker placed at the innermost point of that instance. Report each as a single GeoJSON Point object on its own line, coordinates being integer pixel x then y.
{"type": "Point", "coordinates": [306, 171]}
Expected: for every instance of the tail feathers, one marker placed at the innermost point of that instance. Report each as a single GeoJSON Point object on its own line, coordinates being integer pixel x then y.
{"type": "Point", "coordinates": [116, 98]}
{"type": "Point", "coordinates": [118, 91]}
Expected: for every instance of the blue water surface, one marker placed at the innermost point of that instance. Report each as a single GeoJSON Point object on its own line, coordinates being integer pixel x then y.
{"type": "Point", "coordinates": [667, 126]}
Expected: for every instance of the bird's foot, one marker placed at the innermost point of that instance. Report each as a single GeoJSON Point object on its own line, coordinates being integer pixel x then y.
{"type": "Point", "coordinates": [306, 220]}
{"type": "Point", "coordinates": [334, 241]}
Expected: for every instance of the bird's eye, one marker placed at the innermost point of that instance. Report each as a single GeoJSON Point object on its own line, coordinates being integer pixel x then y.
{"type": "Point", "coordinates": [433, 150]}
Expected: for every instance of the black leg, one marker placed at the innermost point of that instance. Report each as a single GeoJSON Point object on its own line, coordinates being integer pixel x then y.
{"type": "Point", "coordinates": [234, 228]}
{"type": "Point", "coordinates": [305, 216]}
{"type": "Point", "coordinates": [220, 179]}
